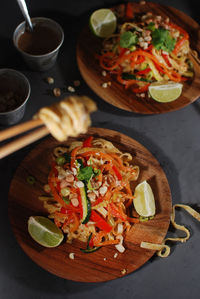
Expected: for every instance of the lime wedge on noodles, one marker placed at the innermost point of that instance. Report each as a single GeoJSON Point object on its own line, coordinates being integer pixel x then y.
{"type": "Point", "coordinates": [103, 22]}
{"type": "Point", "coordinates": [44, 231]}
{"type": "Point", "coordinates": [144, 202]}
{"type": "Point", "coordinates": [165, 92]}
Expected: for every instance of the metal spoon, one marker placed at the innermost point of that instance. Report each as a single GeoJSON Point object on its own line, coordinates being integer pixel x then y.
{"type": "Point", "coordinates": [24, 10]}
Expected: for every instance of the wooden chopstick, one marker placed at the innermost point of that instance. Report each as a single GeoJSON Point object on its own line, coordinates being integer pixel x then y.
{"type": "Point", "coordinates": [17, 144]}
{"type": "Point", "coordinates": [194, 54]}
{"type": "Point", "coordinates": [18, 129]}
{"type": "Point", "coordinates": [23, 141]}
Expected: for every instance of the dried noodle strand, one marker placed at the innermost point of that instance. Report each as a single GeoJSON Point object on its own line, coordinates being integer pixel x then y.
{"type": "Point", "coordinates": [163, 250]}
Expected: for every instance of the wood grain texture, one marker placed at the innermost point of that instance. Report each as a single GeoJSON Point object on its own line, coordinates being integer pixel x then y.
{"type": "Point", "coordinates": [23, 202]}
{"type": "Point", "coordinates": [89, 45]}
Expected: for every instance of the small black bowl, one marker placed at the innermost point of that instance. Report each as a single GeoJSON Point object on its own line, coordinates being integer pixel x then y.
{"type": "Point", "coordinates": [14, 93]}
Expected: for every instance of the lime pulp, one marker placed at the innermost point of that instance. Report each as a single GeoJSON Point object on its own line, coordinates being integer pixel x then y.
{"type": "Point", "coordinates": [165, 92]}
{"type": "Point", "coordinates": [144, 201]}
{"type": "Point", "coordinates": [44, 231]}
{"type": "Point", "coordinates": [103, 22]}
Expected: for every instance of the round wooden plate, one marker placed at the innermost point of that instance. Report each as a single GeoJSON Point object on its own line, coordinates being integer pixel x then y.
{"type": "Point", "coordinates": [100, 265]}
{"type": "Point", "coordinates": [90, 45]}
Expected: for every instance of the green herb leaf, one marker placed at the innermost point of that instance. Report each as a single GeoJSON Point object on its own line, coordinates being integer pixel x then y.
{"type": "Point", "coordinates": [128, 39]}
{"type": "Point", "coordinates": [97, 172]}
{"type": "Point", "coordinates": [66, 200]}
{"type": "Point", "coordinates": [162, 40]}
{"type": "Point", "coordinates": [151, 26]}
{"type": "Point", "coordinates": [30, 179]}
{"type": "Point", "coordinates": [85, 173]}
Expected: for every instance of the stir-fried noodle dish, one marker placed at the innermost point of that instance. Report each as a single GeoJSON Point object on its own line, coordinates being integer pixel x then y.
{"type": "Point", "coordinates": [145, 48]}
{"type": "Point", "coordinates": [89, 193]}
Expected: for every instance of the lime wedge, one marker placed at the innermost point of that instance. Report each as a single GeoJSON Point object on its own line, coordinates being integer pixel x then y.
{"type": "Point", "coordinates": [144, 202]}
{"type": "Point", "coordinates": [103, 22]}
{"type": "Point", "coordinates": [44, 231]}
{"type": "Point", "coordinates": [165, 91]}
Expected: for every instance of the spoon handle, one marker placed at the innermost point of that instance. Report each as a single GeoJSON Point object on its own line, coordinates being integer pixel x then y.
{"type": "Point", "coordinates": [23, 7]}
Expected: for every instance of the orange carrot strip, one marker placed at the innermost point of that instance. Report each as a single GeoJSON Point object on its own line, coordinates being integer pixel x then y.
{"type": "Point", "coordinates": [97, 238]}
{"type": "Point", "coordinates": [73, 155]}
{"type": "Point", "coordinates": [56, 196]}
{"type": "Point", "coordinates": [100, 154]}
{"type": "Point", "coordinates": [109, 242]}
{"type": "Point", "coordinates": [133, 220]}
{"type": "Point", "coordinates": [149, 55]}
{"type": "Point", "coordinates": [76, 223]}
{"type": "Point", "coordinates": [119, 160]}
{"type": "Point", "coordinates": [141, 89]}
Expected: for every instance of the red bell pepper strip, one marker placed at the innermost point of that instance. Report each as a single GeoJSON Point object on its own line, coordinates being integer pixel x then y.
{"type": "Point", "coordinates": [116, 171]}
{"type": "Point", "coordinates": [97, 201]}
{"type": "Point", "coordinates": [88, 142]}
{"type": "Point", "coordinates": [129, 11]}
{"type": "Point", "coordinates": [143, 72]}
{"type": "Point", "coordinates": [140, 59]}
{"type": "Point", "coordinates": [150, 47]}
{"type": "Point", "coordinates": [122, 51]}
{"type": "Point", "coordinates": [159, 68]}
{"type": "Point", "coordinates": [65, 211]}
{"type": "Point", "coordinates": [53, 167]}
{"type": "Point", "coordinates": [179, 44]}
{"type": "Point", "coordinates": [80, 203]}
{"type": "Point", "coordinates": [58, 187]}
{"type": "Point", "coordinates": [55, 171]}
{"type": "Point", "coordinates": [100, 222]}
{"type": "Point", "coordinates": [166, 58]}
{"type": "Point", "coordinates": [181, 40]}
{"type": "Point", "coordinates": [91, 243]}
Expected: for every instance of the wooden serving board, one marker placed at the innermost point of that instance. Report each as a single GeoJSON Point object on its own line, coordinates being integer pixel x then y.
{"type": "Point", "coordinates": [100, 265]}
{"type": "Point", "coordinates": [89, 45]}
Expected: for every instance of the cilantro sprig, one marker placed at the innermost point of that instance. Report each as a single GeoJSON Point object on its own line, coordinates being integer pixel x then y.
{"type": "Point", "coordinates": [86, 173]}
{"type": "Point", "coordinates": [162, 40]}
{"type": "Point", "coordinates": [128, 39]}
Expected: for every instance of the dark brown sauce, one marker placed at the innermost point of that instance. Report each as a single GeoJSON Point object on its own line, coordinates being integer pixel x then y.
{"type": "Point", "coordinates": [41, 41]}
{"type": "Point", "coordinates": [9, 101]}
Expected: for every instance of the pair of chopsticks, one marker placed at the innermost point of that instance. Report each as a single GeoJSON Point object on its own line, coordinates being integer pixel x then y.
{"type": "Point", "coordinates": [19, 143]}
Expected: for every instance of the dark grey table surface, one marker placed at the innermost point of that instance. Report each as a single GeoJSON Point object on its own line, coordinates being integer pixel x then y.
{"type": "Point", "coordinates": [173, 138]}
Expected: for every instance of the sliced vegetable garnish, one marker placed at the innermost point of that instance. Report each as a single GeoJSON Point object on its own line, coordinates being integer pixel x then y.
{"type": "Point", "coordinates": [100, 222]}
{"type": "Point", "coordinates": [30, 179]}
{"type": "Point", "coordinates": [60, 160]}
{"type": "Point", "coordinates": [89, 248]}
{"type": "Point", "coordinates": [88, 142]}
{"type": "Point", "coordinates": [128, 76]}
{"type": "Point", "coordinates": [86, 206]}
{"type": "Point", "coordinates": [128, 39]}
{"type": "Point", "coordinates": [85, 173]}
{"type": "Point", "coordinates": [162, 40]}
